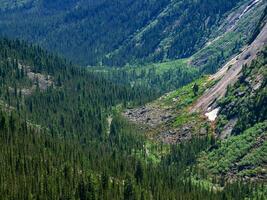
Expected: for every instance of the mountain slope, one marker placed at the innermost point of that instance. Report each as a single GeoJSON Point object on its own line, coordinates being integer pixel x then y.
{"type": "Point", "coordinates": [157, 30]}
{"type": "Point", "coordinates": [57, 141]}
{"type": "Point", "coordinates": [242, 125]}
{"type": "Point", "coordinates": [229, 105]}
{"type": "Point", "coordinates": [237, 31]}
{"type": "Point", "coordinates": [229, 73]}
{"type": "Point", "coordinates": [63, 132]}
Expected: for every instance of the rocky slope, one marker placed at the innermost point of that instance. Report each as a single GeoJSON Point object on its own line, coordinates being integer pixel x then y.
{"type": "Point", "coordinates": [168, 119]}
{"type": "Point", "coordinates": [230, 72]}
{"type": "Point", "coordinates": [169, 108]}
{"type": "Point", "coordinates": [229, 105]}
{"type": "Point", "coordinates": [241, 125]}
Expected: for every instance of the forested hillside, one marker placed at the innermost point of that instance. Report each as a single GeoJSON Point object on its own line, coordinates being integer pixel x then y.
{"type": "Point", "coordinates": [99, 132]}
{"type": "Point", "coordinates": [56, 142]}
{"type": "Point", "coordinates": [100, 32]}
{"type": "Point", "coordinates": [231, 108]}
{"type": "Point", "coordinates": [231, 38]}
{"type": "Point", "coordinates": [36, 82]}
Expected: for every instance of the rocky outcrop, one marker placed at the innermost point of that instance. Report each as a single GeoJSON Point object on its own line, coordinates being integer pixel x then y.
{"type": "Point", "coordinates": [227, 130]}
{"type": "Point", "coordinates": [39, 80]}
{"type": "Point", "coordinates": [230, 73]}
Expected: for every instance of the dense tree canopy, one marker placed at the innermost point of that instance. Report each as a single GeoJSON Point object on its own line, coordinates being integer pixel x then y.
{"type": "Point", "coordinates": [95, 32]}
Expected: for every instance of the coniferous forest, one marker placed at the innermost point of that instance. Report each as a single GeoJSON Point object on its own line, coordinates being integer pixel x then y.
{"type": "Point", "coordinates": [64, 134]}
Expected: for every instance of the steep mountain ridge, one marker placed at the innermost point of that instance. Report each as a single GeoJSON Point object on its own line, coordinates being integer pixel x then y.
{"type": "Point", "coordinates": [234, 32]}
{"type": "Point", "coordinates": [164, 46]}
{"type": "Point", "coordinates": [220, 48]}
{"type": "Point", "coordinates": [230, 72]}
{"type": "Point", "coordinates": [241, 125]}
{"type": "Point", "coordinates": [158, 30]}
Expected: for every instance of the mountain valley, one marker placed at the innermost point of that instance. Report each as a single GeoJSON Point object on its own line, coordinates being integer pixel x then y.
{"type": "Point", "coordinates": [133, 100]}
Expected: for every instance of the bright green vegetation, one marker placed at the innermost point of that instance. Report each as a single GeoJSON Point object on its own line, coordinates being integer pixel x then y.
{"type": "Point", "coordinates": [94, 32]}
{"type": "Point", "coordinates": [185, 95]}
{"type": "Point", "coordinates": [159, 77]}
{"type": "Point", "coordinates": [244, 154]}
{"type": "Point", "coordinates": [183, 98]}
{"type": "Point", "coordinates": [153, 152]}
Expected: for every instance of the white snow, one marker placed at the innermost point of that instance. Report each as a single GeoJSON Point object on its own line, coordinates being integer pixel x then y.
{"type": "Point", "coordinates": [212, 115]}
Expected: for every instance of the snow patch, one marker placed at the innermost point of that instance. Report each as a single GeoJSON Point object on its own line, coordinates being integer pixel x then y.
{"type": "Point", "coordinates": [212, 115]}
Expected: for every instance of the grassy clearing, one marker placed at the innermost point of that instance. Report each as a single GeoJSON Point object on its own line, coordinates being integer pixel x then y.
{"type": "Point", "coordinates": [182, 99]}
{"type": "Point", "coordinates": [185, 95]}
{"type": "Point", "coordinates": [160, 77]}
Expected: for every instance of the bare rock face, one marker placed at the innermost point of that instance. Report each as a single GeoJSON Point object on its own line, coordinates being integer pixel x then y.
{"type": "Point", "coordinates": [230, 73]}
{"type": "Point", "coordinates": [41, 80]}
{"type": "Point", "coordinates": [159, 122]}
{"type": "Point", "coordinates": [178, 135]}
{"type": "Point", "coordinates": [227, 130]}
{"type": "Point", "coordinates": [257, 82]}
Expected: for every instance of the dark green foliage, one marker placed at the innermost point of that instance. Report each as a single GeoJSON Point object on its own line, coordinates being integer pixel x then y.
{"type": "Point", "coordinates": [195, 89]}
{"type": "Point", "coordinates": [74, 98]}
{"type": "Point", "coordinates": [139, 172]}
{"type": "Point", "coordinates": [260, 25]}
{"type": "Point", "coordinates": [38, 165]}
{"type": "Point", "coordinates": [95, 32]}
{"type": "Point", "coordinates": [55, 145]}
{"type": "Point", "coordinates": [129, 193]}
